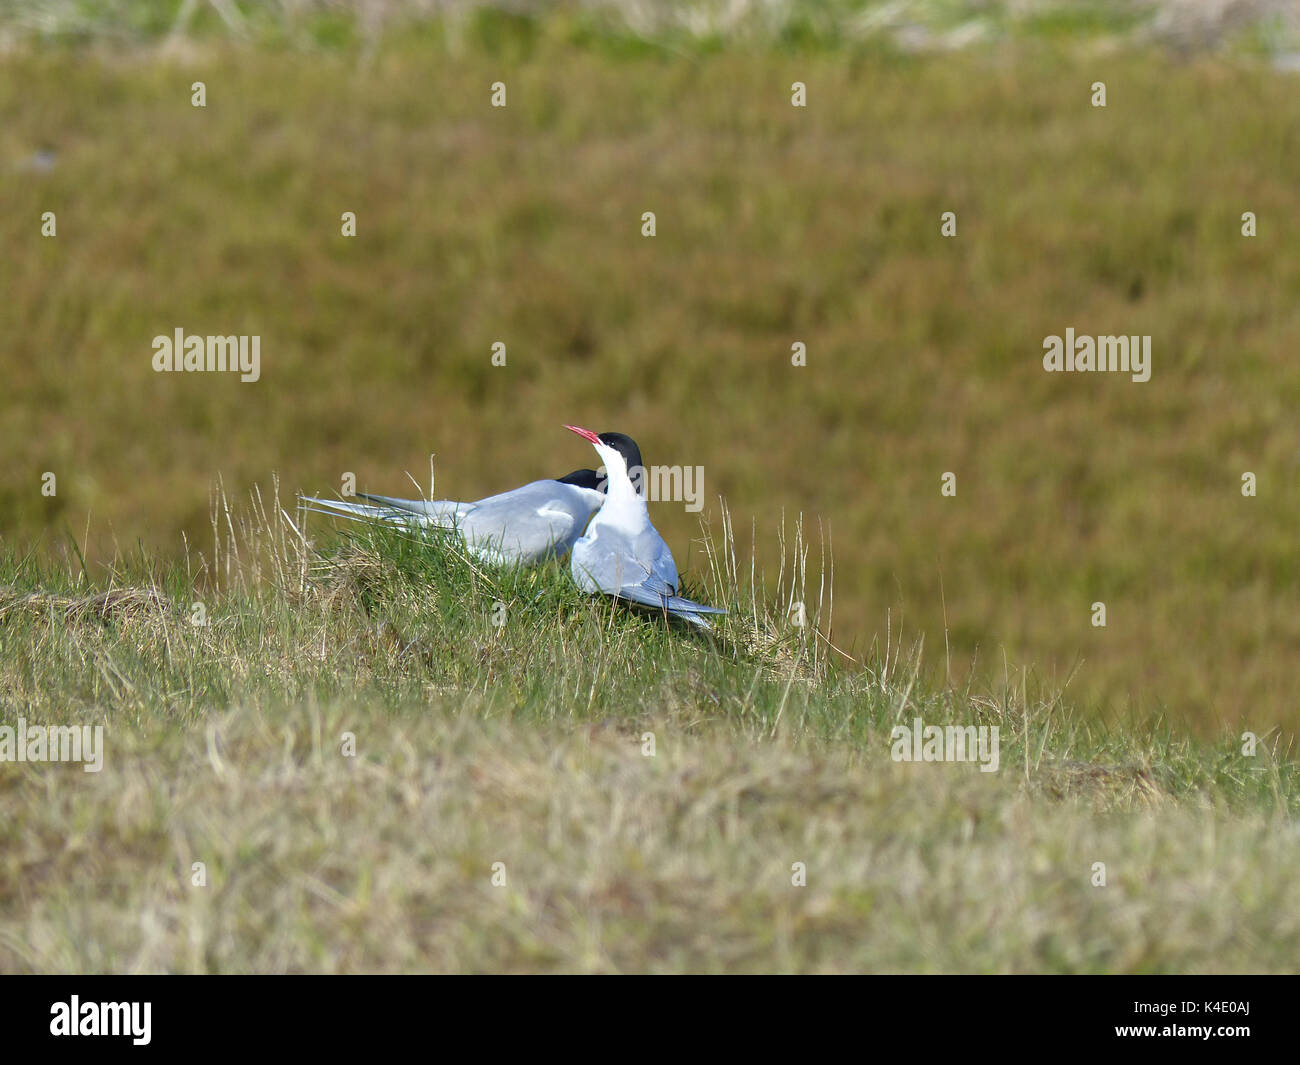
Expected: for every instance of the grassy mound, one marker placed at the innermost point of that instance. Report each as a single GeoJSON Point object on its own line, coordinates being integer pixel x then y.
{"type": "Point", "coordinates": [365, 725]}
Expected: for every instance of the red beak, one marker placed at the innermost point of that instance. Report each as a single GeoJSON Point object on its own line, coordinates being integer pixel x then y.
{"type": "Point", "coordinates": [586, 434]}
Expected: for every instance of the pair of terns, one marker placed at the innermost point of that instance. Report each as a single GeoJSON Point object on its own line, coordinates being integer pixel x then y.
{"type": "Point", "coordinates": [617, 552]}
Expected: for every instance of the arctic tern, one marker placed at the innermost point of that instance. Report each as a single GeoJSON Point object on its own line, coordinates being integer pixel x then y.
{"type": "Point", "coordinates": [527, 525]}
{"type": "Point", "coordinates": [622, 554]}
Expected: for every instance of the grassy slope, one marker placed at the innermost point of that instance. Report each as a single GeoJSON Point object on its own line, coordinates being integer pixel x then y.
{"type": "Point", "coordinates": [522, 744]}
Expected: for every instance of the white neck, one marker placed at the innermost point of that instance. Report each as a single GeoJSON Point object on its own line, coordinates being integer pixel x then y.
{"type": "Point", "coordinates": [622, 507]}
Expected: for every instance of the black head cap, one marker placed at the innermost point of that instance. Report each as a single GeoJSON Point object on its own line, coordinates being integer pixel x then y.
{"type": "Point", "coordinates": [625, 446]}
{"type": "Point", "coordinates": [584, 479]}
{"type": "Point", "coordinates": [621, 443]}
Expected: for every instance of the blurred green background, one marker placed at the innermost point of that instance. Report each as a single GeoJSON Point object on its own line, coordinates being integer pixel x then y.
{"type": "Point", "coordinates": [775, 224]}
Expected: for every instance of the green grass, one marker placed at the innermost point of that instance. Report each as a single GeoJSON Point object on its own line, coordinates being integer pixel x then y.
{"type": "Point", "coordinates": [524, 743]}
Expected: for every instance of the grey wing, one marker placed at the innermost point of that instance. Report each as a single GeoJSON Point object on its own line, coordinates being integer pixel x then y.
{"type": "Point", "coordinates": [659, 587]}
{"type": "Point", "coordinates": [382, 513]}
{"type": "Point", "coordinates": [531, 523]}
{"type": "Point", "coordinates": [615, 561]}
{"type": "Point", "coordinates": [609, 562]}
{"type": "Point", "coordinates": [443, 512]}
{"type": "Point", "coordinates": [662, 566]}
{"type": "Point", "coordinates": [674, 604]}
{"type": "Point", "coordinates": [605, 560]}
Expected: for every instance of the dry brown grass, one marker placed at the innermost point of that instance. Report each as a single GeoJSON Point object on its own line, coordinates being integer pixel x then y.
{"type": "Point", "coordinates": [613, 861]}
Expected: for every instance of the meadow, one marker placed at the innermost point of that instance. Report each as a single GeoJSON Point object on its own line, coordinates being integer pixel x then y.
{"type": "Point", "coordinates": [128, 496]}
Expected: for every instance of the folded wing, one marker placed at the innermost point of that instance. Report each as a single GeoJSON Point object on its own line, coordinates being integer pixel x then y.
{"type": "Point", "coordinates": [527, 525]}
